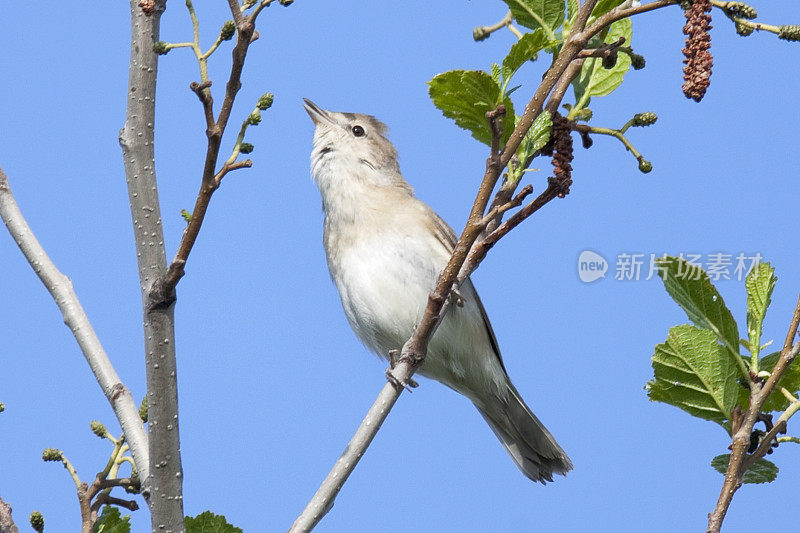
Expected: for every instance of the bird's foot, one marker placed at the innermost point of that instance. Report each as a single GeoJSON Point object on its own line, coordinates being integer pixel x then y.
{"type": "Point", "coordinates": [394, 358]}
{"type": "Point", "coordinates": [456, 297]}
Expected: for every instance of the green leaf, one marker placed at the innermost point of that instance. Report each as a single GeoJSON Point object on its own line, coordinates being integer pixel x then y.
{"type": "Point", "coordinates": [534, 14]}
{"type": "Point", "coordinates": [594, 80]}
{"type": "Point", "coordinates": [604, 6]}
{"type": "Point", "coordinates": [760, 283]}
{"type": "Point", "coordinates": [762, 471]}
{"type": "Point", "coordinates": [110, 521]}
{"type": "Point", "coordinates": [537, 136]}
{"type": "Point", "coordinates": [790, 380]}
{"type": "Point", "coordinates": [497, 73]}
{"type": "Point", "coordinates": [466, 96]}
{"type": "Point", "coordinates": [523, 50]}
{"type": "Point", "coordinates": [691, 289]}
{"type": "Point", "coordinates": [208, 522]}
{"type": "Point", "coordinates": [694, 373]}
{"type": "Point", "coordinates": [572, 9]}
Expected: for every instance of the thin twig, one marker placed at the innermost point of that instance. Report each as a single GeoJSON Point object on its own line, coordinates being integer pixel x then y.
{"type": "Point", "coordinates": [163, 291]}
{"type": "Point", "coordinates": [60, 288]}
{"type": "Point", "coordinates": [739, 460]}
{"type": "Point", "coordinates": [602, 51]}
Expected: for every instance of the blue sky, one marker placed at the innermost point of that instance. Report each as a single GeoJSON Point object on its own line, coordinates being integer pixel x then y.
{"type": "Point", "coordinates": [272, 380]}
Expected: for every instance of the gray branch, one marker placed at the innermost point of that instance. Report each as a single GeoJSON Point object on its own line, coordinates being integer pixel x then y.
{"type": "Point", "coordinates": [164, 487]}
{"type": "Point", "coordinates": [60, 288]}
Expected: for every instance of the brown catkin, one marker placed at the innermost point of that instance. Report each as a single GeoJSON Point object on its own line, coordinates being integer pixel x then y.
{"type": "Point", "coordinates": [560, 148]}
{"type": "Point", "coordinates": [698, 62]}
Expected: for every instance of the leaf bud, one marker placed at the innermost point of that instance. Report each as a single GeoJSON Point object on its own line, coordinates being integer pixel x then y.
{"type": "Point", "coordinates": [160, 47]}
{"type": "Point", "coordinates": [227, 31]}
{"type": "Point", "coordinates": [644, 119]}
{"type": "Point", "coordinates": [265, 102]}
{"type": "Point", "coordinates": [645, 166]}
{"type": "Point", "coordinates": [480, 33]}
{"type": "Point", "coordinates": [98, 429]}
{"type": "Point", "coordinates": [743, 29]}
{"type": "Point", "coordinates": [255, 118]}
{"type": "Point", "coordinates": [789, 32]}
{"type": "Point", "coordinates": [37, 521]}
{"type": "Point", "coordinates": [51, 454]}
{"type": "Point", "coordinates": [740, 9]}
{"type": "Point", "coordinates": [245, 148]}
{"type": "Point", "coordinates": [143, 405]}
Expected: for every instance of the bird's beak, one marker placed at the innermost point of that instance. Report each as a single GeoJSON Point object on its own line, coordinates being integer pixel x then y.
{"type": "Point", "coordinates": [317, 114]}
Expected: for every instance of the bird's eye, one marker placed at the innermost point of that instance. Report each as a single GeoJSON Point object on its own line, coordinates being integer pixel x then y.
{"type": "Point", "coordinates": [358, 131]}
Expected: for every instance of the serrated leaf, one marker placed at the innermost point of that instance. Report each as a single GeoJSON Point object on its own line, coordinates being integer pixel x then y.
{"type": "Point", "coordinates": [497, 73]}
{"type": "Point", "coordinates": [759, 284]}
{"type": "Point", "coordinates": [572, 9]}
{"type": "Point", "coordinates": [762, 471]}
{"type": "Point", "coordinates": [691, 289]}
{"type": "Point", "coordinates": [537, 136]}
{"type": "Point", "coordinates": [604, 6]}
{"type": "Point", "coordinates": [523, 50]}
{"type": "Point", "coordinates": [111, 521]}
{"type": "Point", "coordinates": [208, 522]}
{"type": "Point", "coordinates": [536, 14]}
{"type": "Point", "coordinates": [466, 96]}
{"type": "Point", "coordinates": [594, 80]}
{"type": "Point", "coordinates": [694, 373]}
{"type": "Point", "coordinates": [790, 380]}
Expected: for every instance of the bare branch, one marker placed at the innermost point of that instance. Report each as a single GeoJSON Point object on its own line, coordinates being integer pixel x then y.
{"type": "Point", "coordinates": [60, 288]}
{"type": "Point", "coordinates": [162, 488]}
{"type": "Point", "coordinates": [740, 460]}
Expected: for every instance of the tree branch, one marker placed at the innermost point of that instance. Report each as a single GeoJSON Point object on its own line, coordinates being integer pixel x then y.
{"type": "Point", "coordinates": [60, 288]}
{"type": "Point", "coordinates": [740, 460]}
{"type": "Point", "coordinates": [163, 487]}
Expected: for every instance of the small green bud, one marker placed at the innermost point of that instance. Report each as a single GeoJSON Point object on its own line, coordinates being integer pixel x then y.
{"type": "Point", "coordinates": [584, 114]}
{"type": "Point", "coordinates": [143, 405]}
{"type": "Point", "coordinates": [136, 484]}
{"type": "Point", "coordinates": [637, 61]}
{"type": "Point", "coordinates": [37, 521]}
{"type": "Point", "coordinates": [98, 429]}
{"type": "Point", "coordinates": [255, 118]}
{"type": "Point", "coordinates": [789, 32]}
{"type": "Point", "coordinates": [227, 31]}
{"type": "Point", "coordinates": [51, 454]}
{"type": "Point", "coordinates": [743, 29]}
{"type": "Point", "coordinates": [480, 34]}
{"type": "Point", "coordinates": [187, 216]}
{"type": "Point", "coordinates": [740, 9]}
{"type": "Point", "coordinates": [610, 60]}
{"type": "Point", "coordinates": [265, 102]}
{"type": "Point", "coordinates": [645, 166]}
{"type": "Point", "coordinates": [160, 47]}
{"type": "Point", "coordinates": [2, 407]}
{"type": "Point", "coordinates": [644, 119]}
{"type": "Point", "coordinates": [285, 3]}
{"type": "Point", "coordinates": [245, 148]}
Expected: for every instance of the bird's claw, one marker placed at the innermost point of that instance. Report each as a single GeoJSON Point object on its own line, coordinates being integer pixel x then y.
{"type": "Point", "coordinates": [393, 360]}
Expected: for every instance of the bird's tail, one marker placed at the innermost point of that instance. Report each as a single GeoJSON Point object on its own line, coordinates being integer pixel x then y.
{"type": "Point", "coordinates": [533, 449]}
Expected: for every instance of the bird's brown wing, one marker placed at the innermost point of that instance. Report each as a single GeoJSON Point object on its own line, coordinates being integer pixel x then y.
{"type": "Point", "coordinates": [445, 234]}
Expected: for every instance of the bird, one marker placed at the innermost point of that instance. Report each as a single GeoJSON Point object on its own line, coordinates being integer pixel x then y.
{"type": "Point", "coordinates": [385, 249]}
